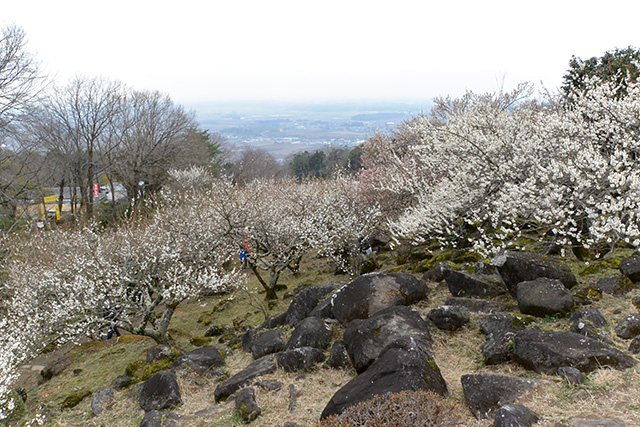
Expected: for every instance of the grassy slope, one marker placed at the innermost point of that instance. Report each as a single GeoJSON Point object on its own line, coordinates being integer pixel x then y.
{"type": "Point", "coordinates": [608, 393]}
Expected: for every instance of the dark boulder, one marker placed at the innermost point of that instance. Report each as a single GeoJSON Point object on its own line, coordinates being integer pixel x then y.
{"type": "Point", "coordinates": [299, 359]}
{"type": "Point", "coordinates": [617, 286]}
{"type": "Point", "coordinates": [543, 297]}
{"type": "Point", "coordinates": [449, 317]}
{"type": "Point", "coordinates": [591, 315]}
{"type": "Point", "coordinates": [159, 392]}
{"type": "Point", "coordinates": [500, 329]}
{"type": "Point", "coordinates": [307, 300]}
{"type": "Point", "coordinates": [201, 360]}
{"type": "Point", "coordinates": [501, 323]}
{"type": "Point", "coordinates": [463, 284]}
{"type": "Point", "coordinates": [102, 400]}
{"type": "Point", "coordinates": [269, 385]}
{"type": "Point", "coordinates": [370, 293]}
{"type": "Point", "coordinates": [263, 366]}
{"type": "Point", "coordinates": [161, 352]}
{"type": "Point", "coordinates": [498, 348]}
{"type": "Point", "coordinates": [437, 273]}
{"type": "Point", "coordinates": [122, 382]}
{"type": "Point", "coordinates": [515, 416]}
{"type": "Point", "coordinates": [515, 267]}
{"type": "Point", "coordinates": [486, 393]}
{"type": "Point", "coordinates": [366, 339]}
{"type": "Point", "coordinates": [476, 305]}
{"type": "Point", "coordinates": [630, 267]}
{"type": "Point", "coordinates": [246, 406]}
{"type": "Point", "coordinates": [266, 342]}
{"type": "Point", "coordinates": [339, 357]}
{"type": "Point", "coordinates": [310, 332]}
{"type": "Point", "coordinates": [406, 364]}
{"type": "Point", "coordinates": [629, 326]}
{"type": "Point", "coordinates": [157, 418]}
{"type": "Point", "coordinates": [545, 352]}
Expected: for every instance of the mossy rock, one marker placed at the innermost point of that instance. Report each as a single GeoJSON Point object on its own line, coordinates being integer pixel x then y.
{"type": "Point", "coordinates": [205, 318]}
{"type": "Point", "coordinates": [135, 369]}
{"type": "Point", "coordinates": [596, 267]}
{"type": "Point", "coordinates": [155, 367]}
{"type": "Point", "coordinates": [74, 399]}
{"type": "Point", "coordinates": [428, 264]}
{"type": "Point", "coordinates": [523, 320]}
{"type": "Point", "coordinates": [464, 257]}
{"type": "Point", "coordinates": [201, 341]}
{"type": "Point", "coordinates": [587, 294]}
{"type": "Point", "coordinates": [16, 413]}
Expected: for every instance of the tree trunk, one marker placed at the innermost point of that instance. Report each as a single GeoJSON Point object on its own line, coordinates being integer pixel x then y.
{"type": "Point", "coordinates": [270, 290]}
{"type": "Point", "coordinates": [61, 196]}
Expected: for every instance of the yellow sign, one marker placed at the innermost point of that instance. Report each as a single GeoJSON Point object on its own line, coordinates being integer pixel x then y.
{"type": "Point", "coordinates": [50, 199]}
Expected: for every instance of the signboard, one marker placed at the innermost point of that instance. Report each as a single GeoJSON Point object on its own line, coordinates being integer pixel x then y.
{"type": "Point", "coordinates": [96, 189]}
{"type": "Point", "coordinates": [50, 199]}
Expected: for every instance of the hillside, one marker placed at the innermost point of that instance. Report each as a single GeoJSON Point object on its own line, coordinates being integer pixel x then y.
{"type": "Point", "coordinates": [301, 397]}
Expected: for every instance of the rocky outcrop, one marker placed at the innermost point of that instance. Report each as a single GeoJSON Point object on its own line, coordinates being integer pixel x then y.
{"type": "Point", "coordinates": [246, 406]}
{"type": "Point", "coordinates": [515, 416]}
{"type": "Point", "coordinates": [449, 317]}
{"type": "Point", "coordinates": [629, 326]}
{"type": "Point", "coordinates": [486, 393]}
{"type": "Point", "coordinates": [266, 342]}
{"type": "Point", "coordinates": [201, 360]}
{"type": "Point", "coordinates": [102, 400]}
{"type": "Point", "coordinates": [339, 357]}
{"type": "Point", "coordinates": [500, 329]}
{"type": "Point", "coordinates": [159, 392]}
{"type": "Point", "coordinates": [370, 293]}
{"type": "Point", "coordinates": [545, 352]}
{"type": "Point", "coordinates": [310, 332]}
{"type": "Point", "coordinates": [299, 359]}
{"type": "Point", "coordinates": [160, 419]}
{"type": "Point", "coordinates": [463, 284]}
{"type": "Point", "coordinates": [515, 267]}
{"type": "Point", "coordinates": [307, 300]}
{"type": "Point", "coordinates": [617, 286]}
{"type": "Point", "coordinates": [366, 339]}
{"type": "Point", "coordinates": [543, 297]}
{"type": "Point", "coordinates": [404, 365]}
{"type": "Point", "coordinates": [630, 267]}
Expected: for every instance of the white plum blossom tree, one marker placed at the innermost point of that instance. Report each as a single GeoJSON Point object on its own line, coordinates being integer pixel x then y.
{"type": "Point", "coordinates": [487, 168]}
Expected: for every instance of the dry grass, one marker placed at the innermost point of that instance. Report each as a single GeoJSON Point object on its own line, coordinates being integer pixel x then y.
{"type": "Point", "coordinates": [608, 393]}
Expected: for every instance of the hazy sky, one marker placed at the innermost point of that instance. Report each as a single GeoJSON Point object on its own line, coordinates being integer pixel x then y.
{"type": "Point", "coordinates": [213, 51]}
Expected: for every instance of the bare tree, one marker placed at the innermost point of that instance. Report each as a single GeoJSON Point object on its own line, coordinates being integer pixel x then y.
{"type": "Point", "coordinates": [157, 137]}
{"type": "Point", "coordinates": [20, 85]}
{"type": "Point", "coordinates": [84, 112]}
{"type": "Point", "coordinates": [19, 78]}
{"type": "Point", "coordinates": [256, 163]}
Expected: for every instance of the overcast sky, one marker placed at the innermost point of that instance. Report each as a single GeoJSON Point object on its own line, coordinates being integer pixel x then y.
{"type": "Point", "coordinates": [234, 50]}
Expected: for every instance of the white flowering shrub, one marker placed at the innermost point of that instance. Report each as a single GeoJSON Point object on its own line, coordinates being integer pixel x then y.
{"type": "Point", "coordinates": [484, 169]}
{"type": "Point", "coordinates": [345, 217]}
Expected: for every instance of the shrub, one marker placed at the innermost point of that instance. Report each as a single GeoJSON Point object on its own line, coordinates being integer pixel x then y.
{"type": "Point", "coordinates": [419, 408]}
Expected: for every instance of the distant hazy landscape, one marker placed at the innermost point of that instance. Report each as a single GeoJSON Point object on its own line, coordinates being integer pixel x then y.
{"type": "Point", "coordinates": [284, 128]}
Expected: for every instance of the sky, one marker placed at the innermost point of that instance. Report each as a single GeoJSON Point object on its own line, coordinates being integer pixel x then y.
{"type": "Point", "coordinates": [211, 51]}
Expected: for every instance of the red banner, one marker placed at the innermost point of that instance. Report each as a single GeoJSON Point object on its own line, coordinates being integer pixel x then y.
{"type": "Point", "coordinates": [96, 189]}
